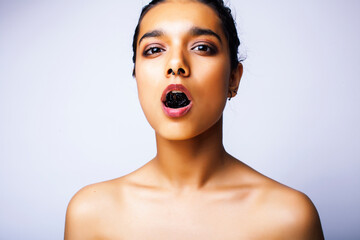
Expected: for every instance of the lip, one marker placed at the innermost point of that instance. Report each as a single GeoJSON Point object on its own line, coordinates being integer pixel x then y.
{"type": "Point", "coordinates": [176, 112]}
{"type": "Point", "coordinates": [175, 87]}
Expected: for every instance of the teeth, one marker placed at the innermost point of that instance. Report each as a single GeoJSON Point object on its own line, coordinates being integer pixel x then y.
{"type": "Point", "coordinates": [176, 91]}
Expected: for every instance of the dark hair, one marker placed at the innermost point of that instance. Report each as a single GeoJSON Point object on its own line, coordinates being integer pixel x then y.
{"type": "Point", "coordinates": [228, 25]}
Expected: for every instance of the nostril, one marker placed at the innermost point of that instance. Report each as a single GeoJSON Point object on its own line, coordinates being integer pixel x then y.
{"type": "Point", "coordinates": [170, 71]}
{"type": "Point", "coordinates": [181, 70]}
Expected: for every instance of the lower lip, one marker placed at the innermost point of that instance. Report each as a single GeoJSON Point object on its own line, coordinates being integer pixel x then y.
{"type": "Point", "coordinates": [176, 112]}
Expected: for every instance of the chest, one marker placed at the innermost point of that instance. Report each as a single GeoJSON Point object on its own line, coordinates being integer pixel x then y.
{"type": "Point", "coordinates": [182, 220]}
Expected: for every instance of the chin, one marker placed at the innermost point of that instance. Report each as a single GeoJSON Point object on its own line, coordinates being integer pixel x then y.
{"type": "Point", "coordinates": [185, 131]}
{"type": "Point", "coordinates": [176, 133]}
{"type": "Point", "coordinates": [187, 127]}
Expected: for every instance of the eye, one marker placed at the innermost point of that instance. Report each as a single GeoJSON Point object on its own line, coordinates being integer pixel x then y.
{"type": "Point", "coordinates": [152, 50]}
{"type": "Point", "coordinates": [205, 49]}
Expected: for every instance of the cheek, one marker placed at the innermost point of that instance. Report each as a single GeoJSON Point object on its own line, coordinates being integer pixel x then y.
{"type": "Point", "coordinates": [149, 94]}
{"type": "Point", "coordinates": [146, 79]}
{"type": "Point", "coordinates": [213, 83]}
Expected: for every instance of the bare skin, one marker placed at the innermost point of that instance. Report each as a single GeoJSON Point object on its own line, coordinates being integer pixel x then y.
{"type": "Point", "coordinates": [192, 189]}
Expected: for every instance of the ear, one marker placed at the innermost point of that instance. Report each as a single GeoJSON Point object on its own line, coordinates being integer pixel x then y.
{"type": "Point", "coordinates": [234, 82]}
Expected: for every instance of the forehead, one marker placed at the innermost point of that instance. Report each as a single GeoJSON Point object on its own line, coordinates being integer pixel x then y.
{"type": "Point", "coordinates": [180, 15]}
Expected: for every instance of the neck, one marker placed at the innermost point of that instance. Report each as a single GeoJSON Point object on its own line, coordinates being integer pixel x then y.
{"type": "Point", "coordinates": [192, 162]}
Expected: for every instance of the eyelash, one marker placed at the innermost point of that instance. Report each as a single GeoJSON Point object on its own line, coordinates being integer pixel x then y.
{"type": "Point", "coordinates": [209, 50]}
{"type": "Point", "coordinates": [152, 49]}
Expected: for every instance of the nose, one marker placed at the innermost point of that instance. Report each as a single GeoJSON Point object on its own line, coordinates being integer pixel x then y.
{"type": "Point", "coordinates": [177, 64]}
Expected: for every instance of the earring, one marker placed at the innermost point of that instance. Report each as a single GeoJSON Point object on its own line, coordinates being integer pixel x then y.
{"type": "Point", "coordinates": [231, 94]}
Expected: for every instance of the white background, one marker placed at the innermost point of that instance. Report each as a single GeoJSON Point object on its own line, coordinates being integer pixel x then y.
{"type": "Point", "coordinates": [69, 114]}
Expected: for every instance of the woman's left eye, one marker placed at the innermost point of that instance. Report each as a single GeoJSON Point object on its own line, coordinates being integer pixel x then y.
{"type": "Point", "coordinates": [204, 49]}
{"type": "Point", "coordinates": [152, 51]}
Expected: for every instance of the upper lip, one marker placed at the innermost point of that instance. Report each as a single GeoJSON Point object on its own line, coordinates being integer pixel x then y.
{"type": "Point", "coordinates": [175, 87]}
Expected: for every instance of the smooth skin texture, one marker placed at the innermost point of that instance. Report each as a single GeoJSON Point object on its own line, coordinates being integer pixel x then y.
{"type": "Point", "coordinates": [192, 188]}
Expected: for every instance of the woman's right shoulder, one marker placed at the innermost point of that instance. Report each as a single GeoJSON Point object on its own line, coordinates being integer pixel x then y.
{"type": "Point", "coordinates": [88, 205]}
{"type": "Point", "coordinates": [92, 196]}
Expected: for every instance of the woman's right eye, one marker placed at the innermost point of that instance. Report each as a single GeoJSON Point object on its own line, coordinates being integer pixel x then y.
{"type": "Point", "coordinates": [152, 50]}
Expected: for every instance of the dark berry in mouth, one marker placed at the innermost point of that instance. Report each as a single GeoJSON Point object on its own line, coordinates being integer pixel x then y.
{"type": "Point", "coordinates": [176, 100]}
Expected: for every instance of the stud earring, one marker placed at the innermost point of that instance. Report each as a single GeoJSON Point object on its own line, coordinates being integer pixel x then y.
{"type": "Point", "coordinates": [231, 94]}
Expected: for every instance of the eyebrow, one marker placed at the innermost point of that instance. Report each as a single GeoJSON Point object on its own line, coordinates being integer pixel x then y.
{"type": "Point", "coordinates": [194, 31]}
{"type": "Point", "coordinates": [155, 33]}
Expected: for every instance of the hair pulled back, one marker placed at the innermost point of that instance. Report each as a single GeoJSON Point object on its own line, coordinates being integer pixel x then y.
{"type": "Point", "coordinates": [227, 21]}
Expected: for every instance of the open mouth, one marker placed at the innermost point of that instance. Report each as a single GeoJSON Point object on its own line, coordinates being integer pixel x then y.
{"type": "Point", "coordinates": [176, 99]}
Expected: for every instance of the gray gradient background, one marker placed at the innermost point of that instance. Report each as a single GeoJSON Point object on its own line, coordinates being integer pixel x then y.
{"type": "Point", "coordinates": [69, 114]}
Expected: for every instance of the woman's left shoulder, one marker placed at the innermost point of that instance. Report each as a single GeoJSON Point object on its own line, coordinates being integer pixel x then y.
{"type": "Point", "coordinates": [291, 212]}
{"type": "Point", "coordinates": [282, 212]}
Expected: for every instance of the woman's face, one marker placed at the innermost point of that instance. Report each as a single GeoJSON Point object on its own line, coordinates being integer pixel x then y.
{"type": "Point", "coordinates": [182, 49]}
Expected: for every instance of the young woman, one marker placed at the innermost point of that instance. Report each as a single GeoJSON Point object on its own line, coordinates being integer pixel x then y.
{"type": "Point", "coordinates": [186, 67]}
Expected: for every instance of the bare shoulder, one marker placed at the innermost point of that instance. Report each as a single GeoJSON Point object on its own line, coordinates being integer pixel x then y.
{"type": "Point", "coordinates": [292, 214]}
{"type": "Point", "coordinates": [87, 208]}
{"type": "Point", "coordinates": [97, 209]}
{"type": "Point", "coordinates": [280, 211]}
{"type": "Point", "coordinates": [285, 213]}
